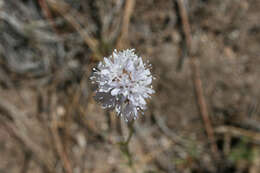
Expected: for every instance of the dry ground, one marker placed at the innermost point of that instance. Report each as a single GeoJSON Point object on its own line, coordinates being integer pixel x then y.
{"type": "Point", "coordinates": [49, 121]}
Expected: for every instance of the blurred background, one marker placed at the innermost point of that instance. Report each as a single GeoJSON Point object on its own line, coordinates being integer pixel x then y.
{"type": "Point", "coordinates": [203, 118]}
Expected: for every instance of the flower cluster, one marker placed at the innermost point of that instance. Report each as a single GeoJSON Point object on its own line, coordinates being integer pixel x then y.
{"type": "Point", "coordinates": [123, 82]}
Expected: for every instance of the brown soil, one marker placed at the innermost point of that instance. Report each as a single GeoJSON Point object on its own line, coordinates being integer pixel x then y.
{"type": "Point", "coordinates": [49, 121]}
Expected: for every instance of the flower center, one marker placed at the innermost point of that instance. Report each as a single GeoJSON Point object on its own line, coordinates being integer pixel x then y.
{"type": "Point", "coordinates": [127, 73]}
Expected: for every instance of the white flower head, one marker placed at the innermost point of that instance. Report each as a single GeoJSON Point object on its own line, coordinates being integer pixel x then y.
{"type": "Point", "coordinates": [124, 82]}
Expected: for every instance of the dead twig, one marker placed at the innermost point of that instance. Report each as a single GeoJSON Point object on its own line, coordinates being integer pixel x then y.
{"type": "Point", "coordinates": [71, 16]}
{"type": "Point", "coordinates": [26, 162]}
{"type": "Point", "coordinates": [60, 149]}
{"type": "Point", "coordinates": [239, 132]}
{"type": "Point", "coordinates": [196, 77]}
{"type": "Point", "coordinates": [59, 145]}
{"type": "Point", "coordinates": [47, 14]}
{"type": "Point", "coordinates": [129, 6]}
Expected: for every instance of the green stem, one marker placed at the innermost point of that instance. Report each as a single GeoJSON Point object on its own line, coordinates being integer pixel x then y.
{"type": "Point", "coordinates": [124, 146]}
{"type": "Point", "coordinates": [131, 132]}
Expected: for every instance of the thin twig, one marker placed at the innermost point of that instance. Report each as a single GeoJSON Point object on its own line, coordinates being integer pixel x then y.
{"type": "Point", "coordinates": [57, 141]}
{"type": "Point", "coordinates": [63, 8]}
{"type": "Point", "coordinates": [129, 6]}
{"type": "Point", "coordinates": [47, 14]}
{"type": "Point", "coordinates": [202, 103]}
{"type": "Point", "coordinates": [26, 162]}
{"type": "Point", "coordinates": [239, 132]}
{"type": "Point", "coordinates": [196, 77]}
{"type": "Point", "coordinates": [60, 149]}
